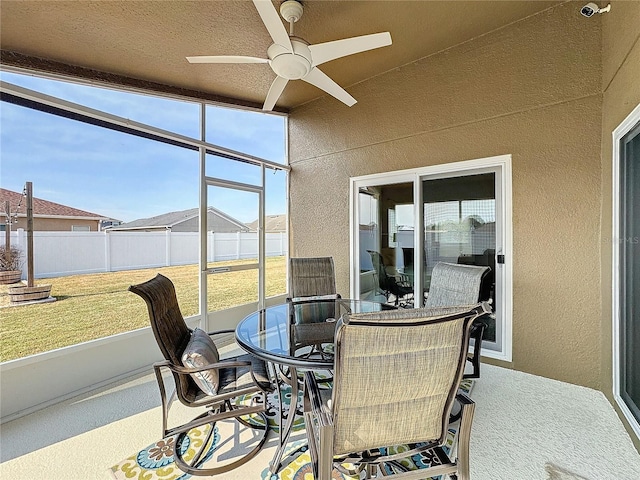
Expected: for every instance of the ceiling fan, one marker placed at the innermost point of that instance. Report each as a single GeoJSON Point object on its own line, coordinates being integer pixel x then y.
{"type": "Point", "coordinates": [292, 58]}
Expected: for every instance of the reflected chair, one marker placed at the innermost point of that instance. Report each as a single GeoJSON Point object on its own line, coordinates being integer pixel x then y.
{"type": "Point", "coordinates": [201, 379]}
{"type": "Point", "coordinates": [453, 284]}
{"type": "Point", "coordinates": [394, 285]}
{"type": "Point", "coordinates": [396, 376]}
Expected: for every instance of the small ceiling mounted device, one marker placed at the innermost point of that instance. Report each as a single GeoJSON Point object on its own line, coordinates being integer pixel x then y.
{"type": "Point", "coordinates": [292, 58]}
{"type": "Point", "coordinates": [590, 9]}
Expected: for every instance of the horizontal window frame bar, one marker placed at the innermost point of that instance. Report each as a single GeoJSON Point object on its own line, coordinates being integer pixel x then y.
{"type": "Point", "coordinates": [25, 97]}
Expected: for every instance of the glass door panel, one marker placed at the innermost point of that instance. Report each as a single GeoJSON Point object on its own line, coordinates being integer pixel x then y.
{"type": "Point", "coordinates": [460, 227]}
{"type": "Point", "coordinates": [386, 229]}
{"type": "Point", "coordinates": [233, 247]}
{"type": "Point", "coordinates": [629, 280]}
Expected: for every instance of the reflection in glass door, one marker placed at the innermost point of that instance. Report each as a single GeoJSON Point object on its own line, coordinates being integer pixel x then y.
{"type": "Point", "coordinates": [404, 222]}
{"type": "Point", "coordinates": [628, 253]}
{"type": "Point", "coordinates": [234, 251]}
{"type": "Point", "coordinates": [385, 229]}
{"type": "Point", "coordinates": [460, 227]}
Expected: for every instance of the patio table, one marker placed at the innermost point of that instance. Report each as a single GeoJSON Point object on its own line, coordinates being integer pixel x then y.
{"type": "Point", "coordinates": [297, 335]}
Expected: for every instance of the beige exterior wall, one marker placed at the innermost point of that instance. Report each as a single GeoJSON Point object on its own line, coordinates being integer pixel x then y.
{"type": "Point", "coordinates": [532, 90]}
{"type": "Point", "coordinates": [55, 224]}
{"type": "Point", "coordinates": [621, 87]}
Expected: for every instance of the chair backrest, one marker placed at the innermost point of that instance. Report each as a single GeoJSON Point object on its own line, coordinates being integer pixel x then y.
{"type": "Point", "coordinates": [396, 375]}
{"type": "Point", "coordinates": [168, 325]}
{"type": "Point", "coordinates": [312, 276]}
{"type": "Point", "coordinates": [454, 284]}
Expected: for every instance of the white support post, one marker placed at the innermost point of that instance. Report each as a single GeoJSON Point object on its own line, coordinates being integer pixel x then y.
{"type": "Point", "coordinates": [167, 243]}
{"type": "Point", "coordinates": [107, 251]}
{"type": "Point", "coordinates": [238, 249]}
{"type": "Point", "coordinates": [212, 244]}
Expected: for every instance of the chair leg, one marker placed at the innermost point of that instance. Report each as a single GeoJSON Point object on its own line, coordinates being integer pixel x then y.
{"type": "Point", "coordinates": [464, 435]}
{"type": "Point", "coordinates": [193, 468]}
{"type": "Point", "coordinates": [477, 331]}
{"type": "Point", "coordinates": [325, 454]}
{"type": "Point", "coordinates": [163, 399]}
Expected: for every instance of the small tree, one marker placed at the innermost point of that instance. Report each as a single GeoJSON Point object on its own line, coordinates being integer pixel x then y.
{"type": "Point", "coordinates": [10, 258]}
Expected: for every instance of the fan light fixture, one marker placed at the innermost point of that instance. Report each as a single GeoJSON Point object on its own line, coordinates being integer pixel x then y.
{"type": "Point", "coordinates": [292, 58]}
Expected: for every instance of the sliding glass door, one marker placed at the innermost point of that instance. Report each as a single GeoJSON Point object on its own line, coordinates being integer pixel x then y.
{"type": "Point", "coordinates": [460, 227]}
{"type": "Point", "coordinates": [626, 249]}
{"type": "Point", "coordinates": [462, 216]}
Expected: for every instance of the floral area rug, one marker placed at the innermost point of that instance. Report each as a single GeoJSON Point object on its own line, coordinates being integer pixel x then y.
{"type": "Point", "coordinates": [155, 462]}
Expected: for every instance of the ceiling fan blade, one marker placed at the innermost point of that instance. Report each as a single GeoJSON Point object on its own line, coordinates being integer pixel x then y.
{"type": "Point", "coordinates": [271, 20]}
{"type": "Point", "coordinates": [226, 59]}
{"type": "Point", "coordinates": [323, 52]}
{"type": "Point", "coordinates": [276, 89]}
{"type": "Point", "coordinates": [322, 81]}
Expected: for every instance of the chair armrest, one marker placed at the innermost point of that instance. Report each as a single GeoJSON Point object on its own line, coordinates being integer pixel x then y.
{"type": "Point", "coordinates": [464, 399]}
{"type": "Point", "coordinates": [313, 298]}
{"type": "Point", "coordinates": [219, 332]}
{"type": "Point", "coordinates": [212, 366]}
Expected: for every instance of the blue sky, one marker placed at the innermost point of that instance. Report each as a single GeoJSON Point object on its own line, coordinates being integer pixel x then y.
{"type": "Point", "coordinates": [126, 177]}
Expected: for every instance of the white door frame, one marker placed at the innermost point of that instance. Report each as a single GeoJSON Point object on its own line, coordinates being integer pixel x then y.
{"type": "Point", "coordinates": [204, 269]}
{"type": "Point", "coordinates": [626, 126]}
{"type": "Point", "coordinates": [416, 175]}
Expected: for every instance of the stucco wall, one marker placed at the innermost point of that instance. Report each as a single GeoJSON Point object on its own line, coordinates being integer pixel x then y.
{"type": "Point", "coordinates": [621, 87]}
{"type": "Point", "coordinates": [532, 90]}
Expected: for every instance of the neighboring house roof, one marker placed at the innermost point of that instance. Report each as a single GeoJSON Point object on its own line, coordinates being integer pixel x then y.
{"type": "Point", "coordinates": [43, 208]}
{"type": "Point", "coordinates": [273, 223]}
{"type": "Point", "coordinates": [171, 219]}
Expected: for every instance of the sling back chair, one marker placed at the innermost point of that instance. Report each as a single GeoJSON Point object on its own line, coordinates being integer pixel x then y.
{"type": "Point", "coordinates": [396, 376]}
{"type": "Point", "coordinates": [453, 284]}
{"type": "Point", "coordinates": [313, 293]}
{"type": "Point", "coordinates": [312, 277]}
{"type": "Point", "coordinates": [202, 379]}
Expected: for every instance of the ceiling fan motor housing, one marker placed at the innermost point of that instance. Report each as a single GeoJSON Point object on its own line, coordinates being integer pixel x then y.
{"type": "Point", "coordinates": [291, 10]}
{"type": "Point", "coordinates": [291, 66]}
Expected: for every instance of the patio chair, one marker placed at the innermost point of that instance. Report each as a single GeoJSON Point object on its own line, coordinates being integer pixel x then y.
{"type": "Point", "coordinates": [312, 277]}
{"type": "Point", "coordinates": [201, 378]}
{"type": "Point", "coordinates": [395, 285]}
{"type": "Point", "coordinates": [312, 291]}
{"type": "Point", "coordinates": [396, 374]}
{"type": "Point", "coordinates": [453, 284]}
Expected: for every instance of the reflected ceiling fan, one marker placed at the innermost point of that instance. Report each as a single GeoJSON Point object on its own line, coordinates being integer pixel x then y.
{"type": "Point", "coordinates": [292, 58]}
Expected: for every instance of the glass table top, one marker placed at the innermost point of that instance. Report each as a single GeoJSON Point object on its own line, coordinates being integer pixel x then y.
{"type": "Point", "coordinates": [299, 333]}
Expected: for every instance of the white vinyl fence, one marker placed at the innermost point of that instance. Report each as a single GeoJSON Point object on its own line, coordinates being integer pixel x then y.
{"type": "Point", "coordinates": [58, 254]}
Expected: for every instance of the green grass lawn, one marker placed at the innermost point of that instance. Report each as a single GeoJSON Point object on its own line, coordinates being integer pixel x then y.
{"type": "Point", "coordinates": [98, 305]}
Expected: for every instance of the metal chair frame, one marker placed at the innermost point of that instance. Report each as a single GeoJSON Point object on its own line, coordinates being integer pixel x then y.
{"type": "Point", "coordinates": [172, 334]}
{"type": "Point", "coordinates": [472, 278]}
{"type": "Point", "coordinates": [323, 418]}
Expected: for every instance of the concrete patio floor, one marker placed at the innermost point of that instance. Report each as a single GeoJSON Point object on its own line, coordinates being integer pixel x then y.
{"type": "Point", "coordinates": [522, 422]}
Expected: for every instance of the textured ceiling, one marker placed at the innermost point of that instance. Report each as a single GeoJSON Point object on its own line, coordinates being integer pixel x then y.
{"type": "Point", "coordinates": [148, 40]}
